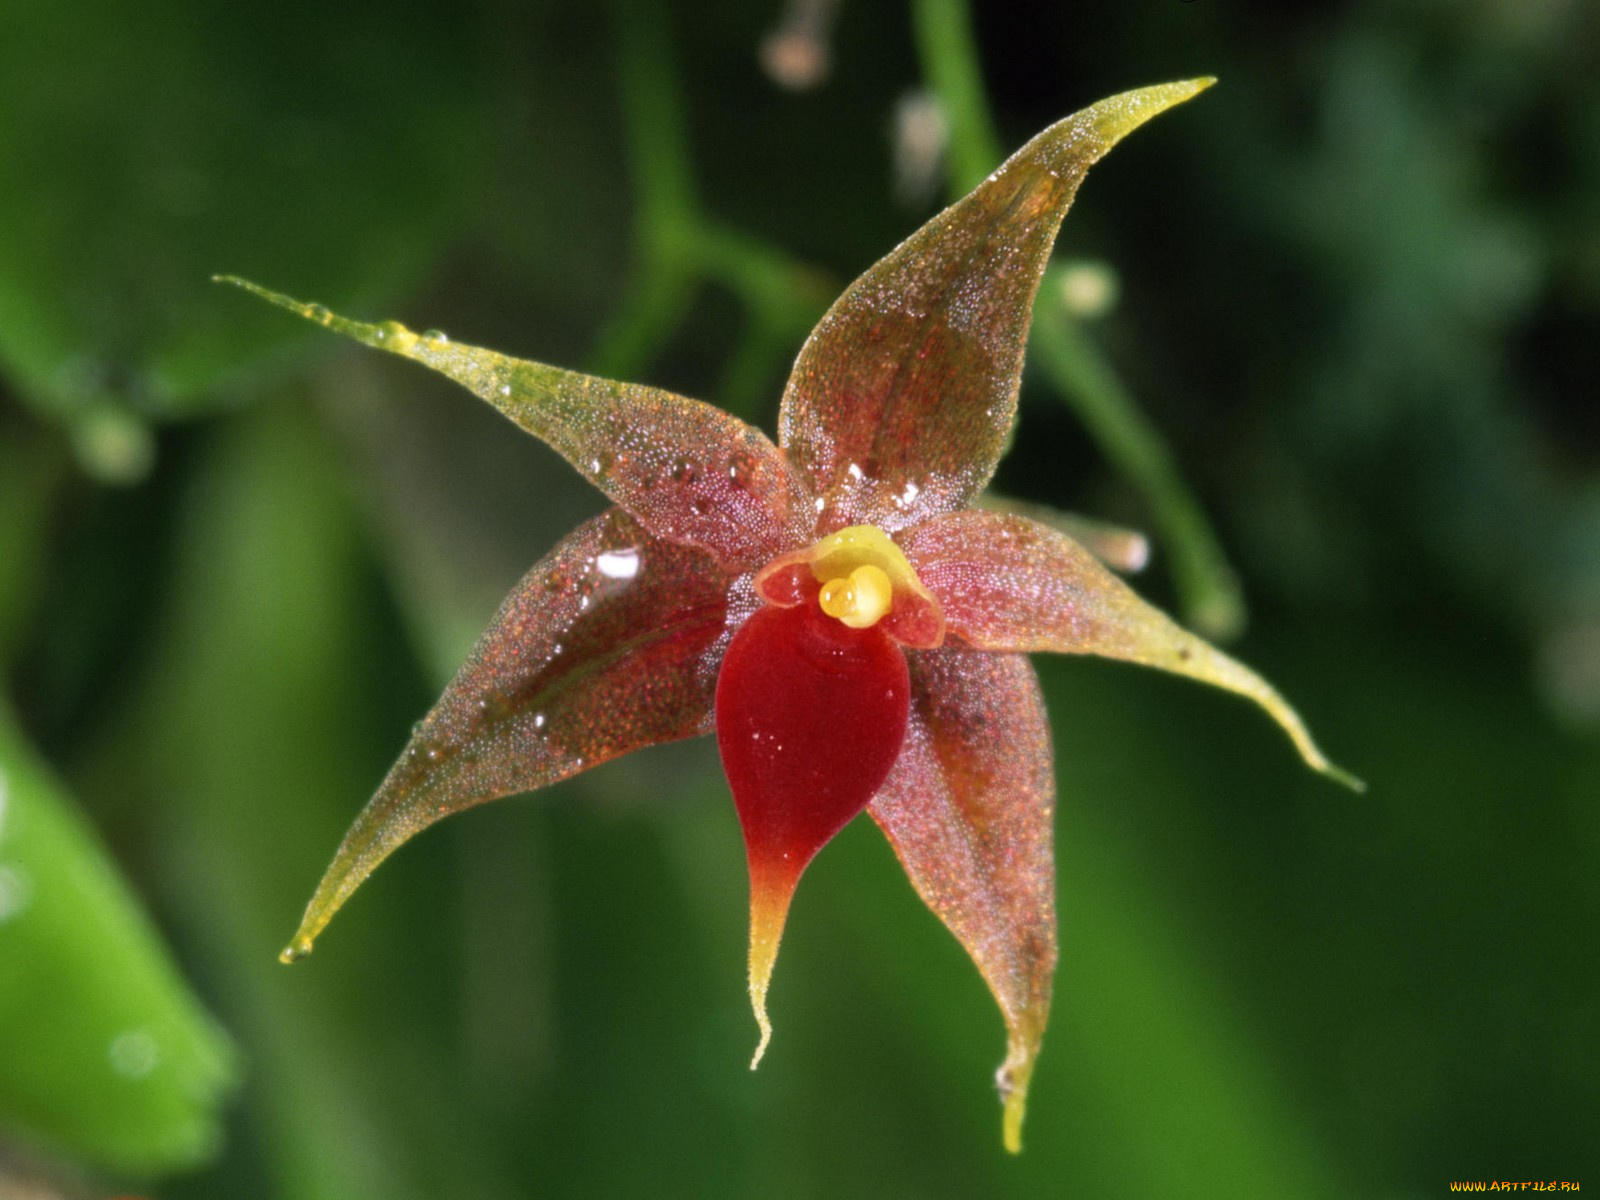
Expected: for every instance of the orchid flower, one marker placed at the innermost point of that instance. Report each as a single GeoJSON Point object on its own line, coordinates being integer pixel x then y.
{"type": "Point", "coordinates": [834, 607]}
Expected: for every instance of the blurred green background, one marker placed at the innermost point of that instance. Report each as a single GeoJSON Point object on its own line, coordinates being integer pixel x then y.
{"type": "Point", "coordinates": [1357, 292]}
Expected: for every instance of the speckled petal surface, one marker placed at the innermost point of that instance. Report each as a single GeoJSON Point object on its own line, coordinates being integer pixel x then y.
{"type": "Point", "coordinates": [901, 399]}
{"type": "Point", "coordinates": [609, 644]}
{"type": "Point", "coordinates": [688, 472]}
{"type": "Point", "coordinates": [1009, 583]}
{"type": "Point", "coordinates": [969, 808]}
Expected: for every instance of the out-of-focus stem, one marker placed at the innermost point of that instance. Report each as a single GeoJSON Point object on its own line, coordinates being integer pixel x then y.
{"type": "Point", "coordinates": [34, 472]}
{"type": "Point", "coordinates": [950, 62]}
{"type": "Point", "coordinates": [678, 249]}
{"type": "Point", "coordinates": [1208, 591]}
{"type": "Point", "coordinates": [1207, 587]}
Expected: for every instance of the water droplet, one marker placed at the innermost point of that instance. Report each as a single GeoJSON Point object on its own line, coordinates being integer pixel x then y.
{"type": "Point", "coordinates": [618, 564]}
{"type": "Point", "coordinates": [555, 650]}
{"type": "Point", "coordinates": [740, 470]}
{"type": "Point", "coordinates": [855, 470]}
{"type": "Point", "coordinates": [505, 389]}
{"type": "Point", "coordinates": [395, 336]}
{"type": "Point", "coordinates": [319, 314]}
{"type": "Point", "coordinates": [538, 720]}
{"type": "Point", "coordinates": [295, 950]}
{"type": "Point", "coordinates": [436, 335]}
{"type": "Point", "coordinates": [594, 466]}
{"type": "Point", "coordinates": [134, 1053]}
{"type": "Point", "coordinates": [683, 471]}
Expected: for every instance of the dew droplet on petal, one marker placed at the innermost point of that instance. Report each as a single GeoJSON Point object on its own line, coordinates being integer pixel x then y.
{"type": "Point", "coordinates": [618, 564]}
{"type": "Point", "coordinates": [396, 336]}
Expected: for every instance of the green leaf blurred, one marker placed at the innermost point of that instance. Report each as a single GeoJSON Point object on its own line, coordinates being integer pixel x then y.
{"type": "Point", "coordinates": [107, 1053]}
{"type": "Point", "coordinates": [147, 149]}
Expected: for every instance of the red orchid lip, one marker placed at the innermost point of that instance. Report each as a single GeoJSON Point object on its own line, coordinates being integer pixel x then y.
{"type": "Point", "coordinates": [811, 715]}
{"type": "Point", "coordinates": [881, 665]}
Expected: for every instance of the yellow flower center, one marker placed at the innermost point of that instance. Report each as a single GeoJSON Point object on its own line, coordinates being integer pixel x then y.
{"type": "Point", "coordinates": [864, 579]}
{"type": "Point", "coordinates": [859, 599]}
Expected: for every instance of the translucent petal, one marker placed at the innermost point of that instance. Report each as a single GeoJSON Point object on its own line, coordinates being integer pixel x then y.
{"type": "Point", "coordinates": [901, 399]}
{"type": "Point", "coordinates": [1126, 551]}
{"type": "Point", "coordinates": [608, 645]}
{"type": "Point", "coordinates": [1008, 583]}
{"type": "Point", "coordinates": [810, 718]}
{"type": "Point", "coordinates": [689, 472]}
{"type": "Point", "coordinates": [969, 808]}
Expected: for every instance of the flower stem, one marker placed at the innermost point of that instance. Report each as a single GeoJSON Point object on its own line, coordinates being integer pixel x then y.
{"type": "Point", "coordinates": [1207, 586]}
{"type": "Point", "coordinates": [950, 61]}
{"type": "Point", "coordinates": [678, 249]}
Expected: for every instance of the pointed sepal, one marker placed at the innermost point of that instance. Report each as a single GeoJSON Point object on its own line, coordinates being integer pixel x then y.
{"type": "Point", "coordinates": [1009, 583]}
{"type": "Point", "coordinates": [970, 810]}
{"type": "Point", "coordinates": [687, 471]}
{"type": "Point", "coordinates": [608, 645]}
{"type": "Point", "coordinates": [902, 398]}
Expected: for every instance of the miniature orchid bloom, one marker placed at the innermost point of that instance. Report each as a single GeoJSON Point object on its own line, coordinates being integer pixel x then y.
{"type": "Point", "coordinates": [833, 607]}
